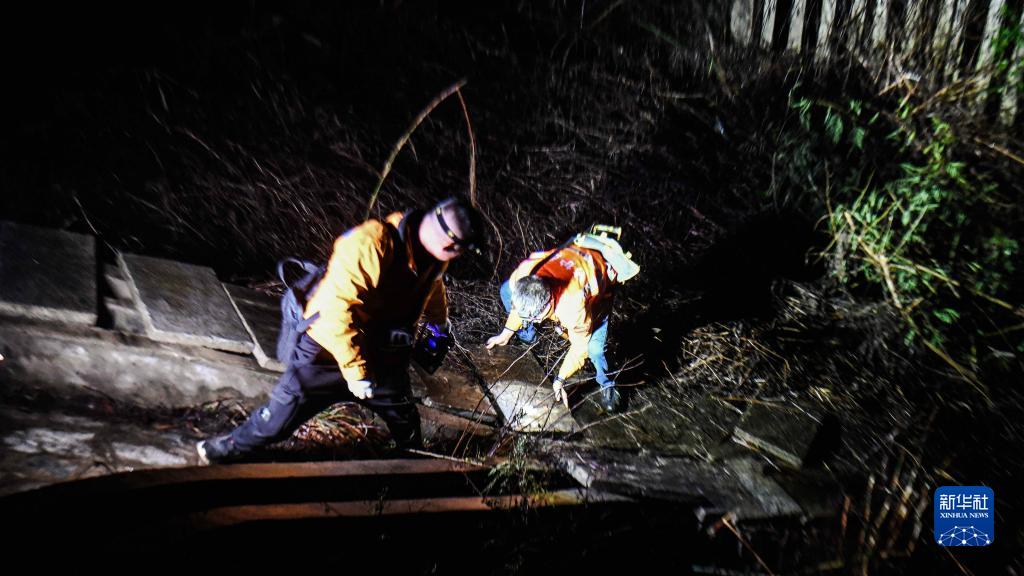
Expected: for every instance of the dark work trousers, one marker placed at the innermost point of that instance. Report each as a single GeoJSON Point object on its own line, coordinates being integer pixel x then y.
{"type": "Point", "coordinates": [312, 382]}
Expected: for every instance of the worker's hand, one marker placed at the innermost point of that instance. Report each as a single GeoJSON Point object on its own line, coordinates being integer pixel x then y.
{"type": "Point", "coordinates": [561, 394]}
{"type": "Point", "coordinates": [362, 389]}
{"type": "Point", "coordinates": [500, 339]}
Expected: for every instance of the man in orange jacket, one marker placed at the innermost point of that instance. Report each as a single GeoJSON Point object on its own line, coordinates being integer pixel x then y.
{"type": "Point", "coordinates": [382, 278]}
{"type": "Point", "coordinates": [574, 287]}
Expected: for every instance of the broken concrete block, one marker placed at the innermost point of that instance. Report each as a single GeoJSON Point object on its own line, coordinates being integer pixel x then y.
{"type": "Point", "coordinates": [523, 396]}
{"type": "Point", "coordinates": [785, 431]}
{"type": "Point", "coordinates": [676, 479]}
{"type": "Point", "coordinates": [739, 487]}
{"type": "Point", "coordinates": [47, 274]}
{"type": "Point", "coordinates": [659, 424]}
{"type": "Point", "coordinates": [184, 304]}
{"type": "Point", "coordinates": [453, 391]}
{"type": "Point", "coordinates": [763, 497]}
{"type": "Point", "coordinates": [261, 316]}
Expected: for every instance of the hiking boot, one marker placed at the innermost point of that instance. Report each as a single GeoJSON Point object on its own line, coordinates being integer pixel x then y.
{"type": "Point", "coordinates": [610, 399]}
{"type": "Point", "coordinates": [218, 449]}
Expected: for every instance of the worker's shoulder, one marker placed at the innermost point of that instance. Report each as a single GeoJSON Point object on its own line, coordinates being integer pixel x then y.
{"type": "Point", "coordinates": [372, 232]}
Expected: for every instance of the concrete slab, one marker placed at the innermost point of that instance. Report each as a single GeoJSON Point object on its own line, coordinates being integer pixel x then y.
{"type": "Point", "coordinates": [785, 431]}
{"type": "Point", "coordinates": [739, 487]}
{"type": "Point", "coordinates": [454, 391]}
{"type": "Point", "coordinates": [518, 386]}
{"type": "Point", "coordinates": [510, 363]}
{"type": "Point", "coordinates": [184, 304]}
{"type": "Point", "coordinates": [529, 408]}
{"type": "Point", "coordinates": [47, 274]}
{"type": "Point", "coordinates": [261, 315]}
{"type": "Point", "coordinates": [127, 367]}
{"type": "Point", "coordinates": [662, 425]}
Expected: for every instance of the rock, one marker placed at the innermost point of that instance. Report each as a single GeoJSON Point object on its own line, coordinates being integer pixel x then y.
{"type": "Point", "coordinates": [453, 391]}
{"type": "Point", "coordinates": [184, 304]}
{"type": "Point", "coordinates": [47, 274]}
{"type": "Point", "coordinates": [739, 487]}
{"type": "Point", "coordinates": [661, 425]}
{"type": "Point", "coordinates": [517, 383]}
{"type": "Point", "coordinates": [441, 427]}
{"type": "Point", "coordinates": [785, 431]}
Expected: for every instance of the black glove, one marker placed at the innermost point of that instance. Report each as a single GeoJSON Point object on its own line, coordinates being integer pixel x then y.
{"type": "Point", "coordinates": [432, 347]}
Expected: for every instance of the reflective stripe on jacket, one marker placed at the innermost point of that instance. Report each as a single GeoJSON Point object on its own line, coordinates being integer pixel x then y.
{"type": "Point", "coordinates": [371, 287]}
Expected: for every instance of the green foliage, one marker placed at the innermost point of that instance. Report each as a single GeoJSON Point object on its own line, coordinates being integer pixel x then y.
{"type": "Point", "coordinates": [908, 214]}
{"type": "Point", "coordinates": [518, 474]}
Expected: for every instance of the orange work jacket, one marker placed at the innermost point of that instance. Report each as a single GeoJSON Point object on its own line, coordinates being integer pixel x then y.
{"type": "Point", "coordinates": [582, 293]}
{"type": "Point", "coordinates": [372, 287]}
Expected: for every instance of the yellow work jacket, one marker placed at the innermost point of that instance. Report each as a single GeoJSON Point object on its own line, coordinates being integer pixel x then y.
{"type": "Point", "coordinates": [582, 293]}
{"type": "Point", "coordinates": [372, 287]}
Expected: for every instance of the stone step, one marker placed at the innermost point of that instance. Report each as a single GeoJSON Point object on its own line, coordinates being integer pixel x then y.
{"type": "Point", "coordinates": [116, 284]}
{"type": "Point", "coordinates": [184, 304]}
{"type": "Point", "coordinates": [47, 274]}
{"type": "Point", "coordinates": [124, 317]}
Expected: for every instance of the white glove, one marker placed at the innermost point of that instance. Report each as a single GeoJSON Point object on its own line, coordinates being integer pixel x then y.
{"type": "Point", "coordinates": [362, 389]}
{"type": "Point", "coordinates": [561, 394]}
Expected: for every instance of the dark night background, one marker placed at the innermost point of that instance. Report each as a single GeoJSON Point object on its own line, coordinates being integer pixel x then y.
{"type": "Point", "coordinates": [234, 134]}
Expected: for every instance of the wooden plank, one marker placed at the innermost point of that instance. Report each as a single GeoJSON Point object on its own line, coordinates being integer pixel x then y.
{"type": "Point", "coordinates": [796, 25]}
{"type": "Point", "coordinates": [985, 54]}
{"type": "Point", "coordinates": [855, 32]}
{"type": "Point", "coordinates": [232, 515]}
{"type": "Point", "coordinates": [828, 16]}
{"type": "Point", "coordinates": [768, 22]}
{"type": "Point", "coordinates": [1008, 109]}
{"type": "Point", "coordinates": [954, 46]}
{"type": "Point", "coordinates": [880, 27]}
{"type": "Point", "coordinates": [742, 21]}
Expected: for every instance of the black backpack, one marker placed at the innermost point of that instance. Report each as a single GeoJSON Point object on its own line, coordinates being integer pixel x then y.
{"type": "Point", "coordinates": [293, 305]}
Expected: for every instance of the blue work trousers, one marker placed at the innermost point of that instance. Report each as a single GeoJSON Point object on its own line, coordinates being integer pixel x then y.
{"type": "Point", "coordinates": [311, 383]}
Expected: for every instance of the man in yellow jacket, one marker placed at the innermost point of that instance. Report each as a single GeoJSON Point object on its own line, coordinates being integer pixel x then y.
{"type": "Point", "coordinates": [381, 280]}
{"type": "Point", "coordinates": [573, 286]}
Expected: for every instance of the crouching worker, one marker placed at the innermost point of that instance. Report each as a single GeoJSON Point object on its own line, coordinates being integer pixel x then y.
{"type": "Point", "coordinates": [573, 285]}
{"type": "Point", "coordinates": [357, 329]}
